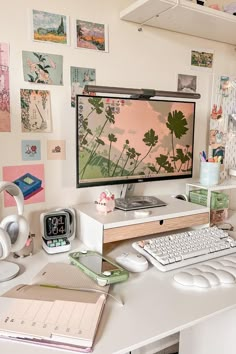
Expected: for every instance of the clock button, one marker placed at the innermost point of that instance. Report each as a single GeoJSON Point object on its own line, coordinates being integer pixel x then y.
{"type": "Point", "coordinates": [107, 273]}
{"type": "Point", "coordinates": [84, 251]}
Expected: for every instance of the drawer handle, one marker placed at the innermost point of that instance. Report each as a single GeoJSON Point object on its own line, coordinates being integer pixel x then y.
{"type": "Point", "coordinates": [161, 222]}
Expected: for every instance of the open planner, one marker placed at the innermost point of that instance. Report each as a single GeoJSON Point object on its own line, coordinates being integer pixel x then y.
{"type": "Point", "coordinates": [62, 308]}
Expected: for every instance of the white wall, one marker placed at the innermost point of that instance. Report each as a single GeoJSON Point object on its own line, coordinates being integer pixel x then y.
{"type": "Point", "coordinates": [148, 59]}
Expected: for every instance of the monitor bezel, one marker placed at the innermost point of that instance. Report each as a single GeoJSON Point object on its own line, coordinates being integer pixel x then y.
{"type": "Point", "coordinates": [131, 180]}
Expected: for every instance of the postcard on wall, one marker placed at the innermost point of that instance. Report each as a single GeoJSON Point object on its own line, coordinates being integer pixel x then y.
{"type": "Point", "coordinates": [42, 68]}
{"type": "Point", "coordinates": [35, 111]}
{"type": "Point", "coordinates": [30, 179]}
{"type": "Point", "coordinates": [187, 83]}
{"type": "Point", "coordinates": [5, 123]}
{"type": "Point", "coordinates": [225, 86]}
{"type": "Point", "coordinates": [92, 35]}
{"type": "Point", "coordinates": [50, 27]}
{"type": "Point", "coordinates": [202, 59]}
{"type": "Point", "coordinates": [56, 149]}
{"type": "Point", "coordinates": [31, 150]}
{"type": "Point", "coordinates": [79, 78]}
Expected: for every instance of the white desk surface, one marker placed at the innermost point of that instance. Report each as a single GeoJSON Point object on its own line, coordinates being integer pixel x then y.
{"type": "Point", "coordinates": [155, 307]}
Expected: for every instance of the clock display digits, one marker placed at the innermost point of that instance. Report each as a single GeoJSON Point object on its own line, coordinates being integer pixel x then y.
{"type": "Point", "coordinates": [56, 225]}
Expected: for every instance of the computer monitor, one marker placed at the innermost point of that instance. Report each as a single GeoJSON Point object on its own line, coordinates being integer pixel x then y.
{"type": "Point", "coordinates": [122, 140]}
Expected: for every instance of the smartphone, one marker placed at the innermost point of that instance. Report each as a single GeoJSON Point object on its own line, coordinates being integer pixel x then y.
{"type": "Point", "coordinates": [101, 269]}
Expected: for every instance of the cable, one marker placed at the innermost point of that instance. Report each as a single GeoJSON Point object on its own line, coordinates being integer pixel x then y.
{"type": "Point", "coordinates": [83, 289]}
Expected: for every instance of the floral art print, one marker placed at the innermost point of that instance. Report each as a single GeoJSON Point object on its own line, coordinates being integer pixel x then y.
{"type": "Point", "coordinates": [35, 111]}
{"type": "Point", "coordinates": [42, 68]}
{"type": "Point", "coordinates": [5, 125]}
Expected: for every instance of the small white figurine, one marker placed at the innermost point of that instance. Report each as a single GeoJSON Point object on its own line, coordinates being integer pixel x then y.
{"type": "Point", "coordinates": [27, 250]}
{"type": "Point", "coordinates": [106, 202]}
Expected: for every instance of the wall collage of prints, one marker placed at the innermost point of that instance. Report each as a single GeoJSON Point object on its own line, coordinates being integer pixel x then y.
{"type": "Point", "coordinates": [222, 140]}
{"type": "Point", "coordinates": [36, 116]}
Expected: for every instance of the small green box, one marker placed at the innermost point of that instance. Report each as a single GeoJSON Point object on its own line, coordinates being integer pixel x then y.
{"type": "Point", "coordinates": [218, 200]}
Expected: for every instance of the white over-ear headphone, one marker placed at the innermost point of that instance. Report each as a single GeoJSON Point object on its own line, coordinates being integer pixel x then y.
{"type": "Point", "coordinates": [14, 229]}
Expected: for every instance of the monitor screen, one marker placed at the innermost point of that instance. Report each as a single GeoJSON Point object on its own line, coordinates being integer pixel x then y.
{"type": "Point", "coordinates": [129, 140]}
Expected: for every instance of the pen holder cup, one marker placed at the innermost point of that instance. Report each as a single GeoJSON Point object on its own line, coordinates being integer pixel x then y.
{"type": "Point", "coordinates": [209, 173]}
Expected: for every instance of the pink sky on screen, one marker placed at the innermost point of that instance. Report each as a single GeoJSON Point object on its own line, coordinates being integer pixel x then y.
{"type": "Point", "coordinates": [131, 120]}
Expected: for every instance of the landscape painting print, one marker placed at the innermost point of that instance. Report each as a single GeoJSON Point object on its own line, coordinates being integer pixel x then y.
{"type": "Point", "coordinates": [50, 27]}
{"type": "Point", "coordinates": [35, 111]}
{"type": "Point", "coordinates": [4, 88]}
{"type": "Point", "coordinates": [42, 68]}
{"type": "Point", "coordinates": [92, 35]}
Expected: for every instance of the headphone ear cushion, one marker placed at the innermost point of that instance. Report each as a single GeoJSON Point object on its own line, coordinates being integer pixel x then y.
{"type": "Point", "coordinates": [5, 244]}
{"type": "Point", "coordinates": [17, 229]}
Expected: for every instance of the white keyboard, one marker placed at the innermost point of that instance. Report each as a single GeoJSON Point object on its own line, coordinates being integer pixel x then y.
{"type": "Point", "coordinates": [186, 248]}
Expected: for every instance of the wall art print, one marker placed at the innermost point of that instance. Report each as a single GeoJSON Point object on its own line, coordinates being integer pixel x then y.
{"type": "Point", "coordinates": [35, 111]}
{"type": "Point", "coordinates": [79, 78]}
{"type": "Point", "coordinates": [31, 150]}
{"type": "Point", "coordinates": [42, 68]}
{"type": "Point", "coordinates": [30, 179]}
{"type": "Point", "coordinates": [50, 27]}
{"type": "Point", "coordinates": [5, 124]}
{"type": "Point", "coordinates": [187, 83]}
{"type": "Point", "coordinates": [56, 149]}
{"type": "Point", "coordinates": [92, 35]}
{"type": "Point", "coordinates": [202, 59]}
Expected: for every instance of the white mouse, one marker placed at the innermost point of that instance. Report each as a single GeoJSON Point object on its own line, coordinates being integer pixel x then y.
{"type": "Point", "coordinates": [133, 262]}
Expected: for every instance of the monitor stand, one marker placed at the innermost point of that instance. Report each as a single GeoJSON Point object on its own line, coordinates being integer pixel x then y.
{"type": "Point", "coordinates": [127, 203]}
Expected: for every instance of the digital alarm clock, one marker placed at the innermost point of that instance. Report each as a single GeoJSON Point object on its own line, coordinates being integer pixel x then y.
{"type": "Point", "coordinates": [56, 230]}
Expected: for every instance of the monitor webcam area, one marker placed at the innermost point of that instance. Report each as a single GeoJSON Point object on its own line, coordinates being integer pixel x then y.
{"type": "Point", "coordinates": [134, 203]}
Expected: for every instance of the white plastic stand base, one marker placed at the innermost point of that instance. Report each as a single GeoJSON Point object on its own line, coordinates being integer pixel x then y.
{"type": "Point", "coordinates": [8, 270]}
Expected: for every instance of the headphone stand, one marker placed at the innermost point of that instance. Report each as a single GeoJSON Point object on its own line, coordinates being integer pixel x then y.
{"type": "Point", "coordinates": [8, 270]}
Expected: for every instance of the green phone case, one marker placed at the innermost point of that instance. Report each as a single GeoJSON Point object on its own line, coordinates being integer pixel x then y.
{"type": "Point", "coordinates": [105, 277]}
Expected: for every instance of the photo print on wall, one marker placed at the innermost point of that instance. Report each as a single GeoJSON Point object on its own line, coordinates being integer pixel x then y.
{"type": "Point", "coordinates": [35, 111]}
{"type": "Point", "coordinates": [42, 68]}
{"type": "Point", "coordinates": [5, 123]}
{"type": "Point", "coordinates": [91, 35]}
{"type": "Point", "coordinates": [79, 78]}
{"type": "Point", "coordinates": [202, 59]}
{"type": "Point", "coordinates": [31, 150]}
{"type": "Point", "coordinates": [30, 179]}
{"type": "Point", "coordinates": [50, 27]}
{"type": "Point", "coordinates": [187, 83]}
{"type": "Point", "coordinates": [56, 149]}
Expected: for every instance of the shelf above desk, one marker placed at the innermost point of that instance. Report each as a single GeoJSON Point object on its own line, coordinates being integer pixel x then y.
{"type": "Point", "coordinates": [226, 184]}
{"type": "Point", "coordinates": [183, 16]}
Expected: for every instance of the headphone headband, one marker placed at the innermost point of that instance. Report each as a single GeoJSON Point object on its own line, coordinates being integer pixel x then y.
{"type": "Point", "coordinates": [14, 191]}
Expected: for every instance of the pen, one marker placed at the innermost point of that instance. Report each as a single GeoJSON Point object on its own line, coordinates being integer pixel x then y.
{"type": "Point", "coordinates": [204, 155]}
